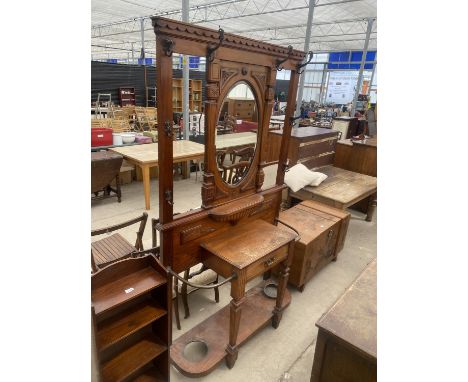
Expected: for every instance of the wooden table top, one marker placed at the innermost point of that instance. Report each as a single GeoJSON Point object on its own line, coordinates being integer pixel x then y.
{"type": "Point", "coordinates": [235, 139]}
{"type": "Point", "coordinates": [353, 318]}
{"type": "Point", "coordinates": [365, 142]}
{"type": "Point", "coordinates": [308, 131]}
{"type": "Point", "coordinates": [148, 154]}
{"type": "Point", "coordinates": [343, 185]}
{"type": "Point", "coordinates": [244, 244]}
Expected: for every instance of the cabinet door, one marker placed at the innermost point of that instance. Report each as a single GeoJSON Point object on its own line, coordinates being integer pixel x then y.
{"type": "Point", "coordinates": [321, 251]}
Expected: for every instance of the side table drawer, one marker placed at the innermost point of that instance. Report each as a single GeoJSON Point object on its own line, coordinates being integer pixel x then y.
{"type": "Point", "coordinates": [267, 263]}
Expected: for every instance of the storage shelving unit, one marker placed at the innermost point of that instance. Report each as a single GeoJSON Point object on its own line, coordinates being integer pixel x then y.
{"type": "Point", "coordinates": [195, 95]}
{"type": "Point", "coordinates": [127, 96]}
{"type": "Point", "coordinates": [132, 325]}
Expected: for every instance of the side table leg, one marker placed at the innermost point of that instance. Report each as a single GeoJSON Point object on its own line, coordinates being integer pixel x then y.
{"type": "Point", "coordinates": [237, 294]}
{"type": "Point", "coordinates": [146, 185]}
{"type": "Point", "coordinates": [371, 208]}
{"type": "Point", "coordinates": [283, 281]}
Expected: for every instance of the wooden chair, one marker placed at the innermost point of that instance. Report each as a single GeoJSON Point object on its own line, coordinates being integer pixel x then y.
{"type": "Point", "coordinates": [120, 125]}
{"type": "Point", "coordinates": [100, 122]}
{"type": "Point", "coordinates": [209, 276]}
{"type": "Point", "coordinates": [114, 247]}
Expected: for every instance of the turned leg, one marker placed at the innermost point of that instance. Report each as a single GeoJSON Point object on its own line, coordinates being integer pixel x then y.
{"type": "Point", "coordinates": [184, 294]}
{"type": "Point", "coordinates": [371, 207]}
{"type": "Point", "coordinates": [282, 283]}
{"type": "Point", "coordinates": [146, 185]}
{"type": "Point", "coordinates": [237, 294]}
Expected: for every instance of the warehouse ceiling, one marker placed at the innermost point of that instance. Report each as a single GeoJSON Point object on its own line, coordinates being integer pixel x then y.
{"type": "Point", "coordinates": [338, 25]}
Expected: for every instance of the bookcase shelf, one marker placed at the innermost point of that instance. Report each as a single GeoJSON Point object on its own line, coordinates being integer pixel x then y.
{"type": "Point", "coordinates": [195, 95]}
{"type": "Point", "coordinates": [132, 328]}
{"type": "Point", "coordinates": [126, 96]}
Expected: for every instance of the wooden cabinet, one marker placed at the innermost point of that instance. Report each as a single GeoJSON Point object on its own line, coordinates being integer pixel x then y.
{"type": "Point", "coordinates": [127, 96]}
{"type": "Point", "coordinates": [195, 95]}
{"type": "Point", "coordinates": [243, 108]}
{"type": "Point", "coordinates": [357, 156]}
{"type": "Point", "coordinates": [311, 146]}
{"type": "Point", "coordinates": [346, 348]}
{"type": "Point", "coordinates": [131, 321]}
{"type": "Point", "coordinates": [323, 231]}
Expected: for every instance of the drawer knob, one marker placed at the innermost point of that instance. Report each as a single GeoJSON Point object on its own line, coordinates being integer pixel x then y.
{"type": "Point", "coordinates": [269, 262]}
{"type": "Point", "coordinates": [330, 234]}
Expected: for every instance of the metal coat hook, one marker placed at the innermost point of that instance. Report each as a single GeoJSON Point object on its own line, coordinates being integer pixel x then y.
{"type": "Point", "coordinates": [168, 197]}
{"type": "Point", "coordinates": [279, 62]}
{"type": "Point", "coordinates": [299, 66]}
{"type": "Point", "coordinates": [212, 49]}
{"type": "Point", "coordinates": [168, 45]}
{"type": "Point", "coordinates": [168, 128]}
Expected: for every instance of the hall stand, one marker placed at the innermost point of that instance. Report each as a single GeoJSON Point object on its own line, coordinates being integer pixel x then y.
{"type": "Point", "coordinates": [235, 230]}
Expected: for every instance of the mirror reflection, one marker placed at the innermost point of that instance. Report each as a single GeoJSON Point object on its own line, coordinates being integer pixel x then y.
{"type": "Point", "coordinates": [236, 133]}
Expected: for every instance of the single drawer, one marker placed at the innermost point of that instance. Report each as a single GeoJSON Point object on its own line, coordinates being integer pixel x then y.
{"type": "Point", "coordinates": [268, 262]}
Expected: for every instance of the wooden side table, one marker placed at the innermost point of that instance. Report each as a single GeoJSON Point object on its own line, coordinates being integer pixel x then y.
{"type": "Point", "coordinates": [247, 250]}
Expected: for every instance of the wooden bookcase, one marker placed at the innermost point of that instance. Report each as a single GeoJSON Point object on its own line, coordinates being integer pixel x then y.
{"type": "Point", "coordinates": [127, 96]}
{"type": "Point", "coordinates": [131, 321]}
{"type": "Point", "coordinates": [195, 95]}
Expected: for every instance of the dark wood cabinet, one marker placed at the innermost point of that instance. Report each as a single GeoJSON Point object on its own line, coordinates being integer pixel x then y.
{"type": "Point", "coordinates": [357, 156]}
{"type": "Point", "coordinates": [131, 321]}
{"type": "Point", "coordinates": [346, 348]}
{"type": "Point", "coordinates": [311, 146]}
{"type": "Point", "coordinates": [127, 96]}
{"type": "Point", "coordinates": [323, 231]}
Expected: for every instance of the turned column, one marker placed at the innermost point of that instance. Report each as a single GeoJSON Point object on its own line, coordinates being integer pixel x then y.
{"type": "Point", "coordinates": [238, 298]}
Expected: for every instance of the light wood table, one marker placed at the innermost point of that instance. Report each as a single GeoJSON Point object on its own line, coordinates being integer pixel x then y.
{"type": "Point", "coordinates": [235, 140]}
{"type": "Point", "coordinates": [146, 156]}
{"type": "Point", "coordinates": [341, 189]}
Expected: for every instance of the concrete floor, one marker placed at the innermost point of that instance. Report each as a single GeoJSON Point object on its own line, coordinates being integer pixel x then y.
{"type": "Point", "coordinates": [284, 354]}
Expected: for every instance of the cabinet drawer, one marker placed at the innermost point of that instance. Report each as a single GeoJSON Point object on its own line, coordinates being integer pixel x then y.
{"type": "Point", "coordinates": [312, 148]}
{"type": "Point", "coordinates": [267, 263]}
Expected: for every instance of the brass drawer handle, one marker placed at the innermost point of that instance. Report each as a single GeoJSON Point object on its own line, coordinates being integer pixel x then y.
{"type": "Point", "coordinates": [269, 262]}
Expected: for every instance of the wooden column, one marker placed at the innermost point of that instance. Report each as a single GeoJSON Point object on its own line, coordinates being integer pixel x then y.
{"type": "Point", "coordinates": [290, 108]}
{"type": "Point", "coordinates": [165, 139]}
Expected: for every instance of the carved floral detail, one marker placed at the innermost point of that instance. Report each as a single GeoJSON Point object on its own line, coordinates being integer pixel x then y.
{"type": "Point", "coordinates": [212, 90]}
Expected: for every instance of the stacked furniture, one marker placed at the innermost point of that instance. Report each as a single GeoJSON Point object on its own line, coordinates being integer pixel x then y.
{"type": "Point", "coordinates": [130, 311]}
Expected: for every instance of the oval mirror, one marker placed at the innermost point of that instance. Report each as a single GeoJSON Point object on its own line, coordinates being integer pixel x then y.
{"type": "Point", "coordinates": [236, 133]}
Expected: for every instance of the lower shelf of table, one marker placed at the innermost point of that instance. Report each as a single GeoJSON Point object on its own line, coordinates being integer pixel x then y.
{"type": "Point", "coordinates": [257, 311]}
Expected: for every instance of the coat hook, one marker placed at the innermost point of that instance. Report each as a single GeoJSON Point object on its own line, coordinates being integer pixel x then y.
{"type": "Point", "coordinates": [279, 62]}
{"type": "Point", "coordinates": [212, 49]}
{"type": "Point", "coordinates": [168, 45]}
{"type": "Point", "coordinates": [299, 66]}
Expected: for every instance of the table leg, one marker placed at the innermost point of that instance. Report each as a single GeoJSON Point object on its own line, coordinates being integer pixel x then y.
{"type": "Point", "coordinates": [237, 294]}
{"type": "Point", "coordinates": [185, 169]}
{"type": "Point", "coordinates": [283, 281]}
{"type": "Point", "coordinates": [146, 185]}
{"type": "Point", "coordinates": [371, 207]}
